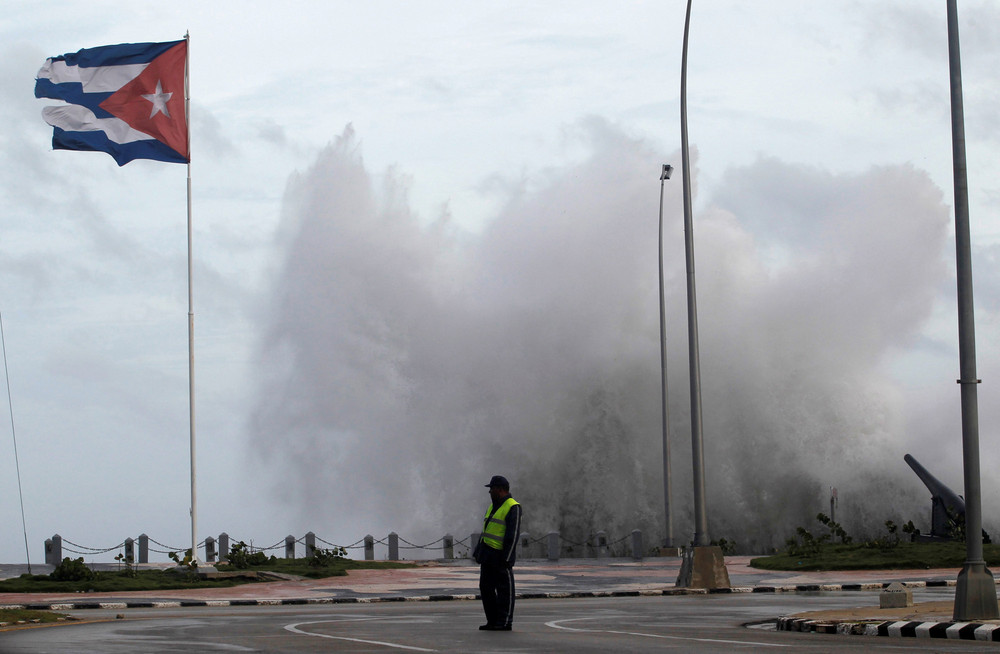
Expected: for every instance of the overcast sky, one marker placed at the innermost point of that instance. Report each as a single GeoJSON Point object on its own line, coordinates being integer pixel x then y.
{"type": "Point", "coordinates": [490, 139]}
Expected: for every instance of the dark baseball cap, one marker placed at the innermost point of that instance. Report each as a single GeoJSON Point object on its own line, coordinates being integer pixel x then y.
{"type": "Point", "coordinates": [497, 480]}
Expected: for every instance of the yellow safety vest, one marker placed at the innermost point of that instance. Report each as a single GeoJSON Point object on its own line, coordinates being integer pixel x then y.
{"type": "Point", "coordinates": [495, 526]}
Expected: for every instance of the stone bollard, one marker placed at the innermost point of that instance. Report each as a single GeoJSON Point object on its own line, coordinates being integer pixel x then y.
{"type": "Point", "coordinates": [553, 545]}
{"type": "Point", "coordinates": [310, 545]}
{"type": "Point", "coordinates": [600, 545]}
{"type": "Point", "coordinates": [57, 554]}
{"type": "Point", "coordinates": [524, 546]}
{"type": "Point", "coordinates": [636, 544]}
{"type": "Point", "coordinates": [223, 547]}
{"type": "Point", "coordinates": [449, 546]}
{"type": "Point", "coordinates": [369, 548]}
{"type": "Point", "coordinates": [129, 550]}
{"type": "Point", "coordinates": [143, 548]}
{"type": "Point", "coordinates": [289, 547]}
{"type": "Point", "coordinates": [210, 550]}
{"type": "Point", "coordinates": [48, 551]}
{"type": "Point", "coordinates": [896, 596]}
{"type": "Point", "coordinates": [393, 546]}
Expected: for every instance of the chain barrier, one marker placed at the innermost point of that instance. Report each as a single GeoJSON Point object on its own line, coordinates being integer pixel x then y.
{"type": "Point", "coordinates": [573, 542]}
{"type": "Point", "coordinates": [156, 542]}
{"type": "Point", "coordinates": [162, 551]}
{"type": "Point", "coordinates": [358, 544]}
{"type": "Point", "coordinates": [90, 550]}
{"type": "Point", "coordinates": [411, 546]}
{"type": "Point", "coordinates": [169, 549]}
{"type": "Point", "coordinates": [438, 544]}
{"type": "Point", "coordinates": [591, 541]}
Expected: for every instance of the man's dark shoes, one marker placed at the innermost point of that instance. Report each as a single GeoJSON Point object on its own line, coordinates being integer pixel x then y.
{"type": "Point", "coordinates": [494, 627]}
{"type": "Point", "coordinates": [485, 627]}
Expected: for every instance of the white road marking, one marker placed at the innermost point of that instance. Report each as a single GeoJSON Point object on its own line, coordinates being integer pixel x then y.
{"type": "Point", "coordinates": [202, 646]}
{"type": "Point", "coordinates": [557, 624]}
{"type": "Point", "coordinates": [294, 628]}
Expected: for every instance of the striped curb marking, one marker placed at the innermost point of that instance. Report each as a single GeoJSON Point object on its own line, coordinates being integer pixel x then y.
{"type": "Point", "coordinates": [147, 604]}
{"type": "Point", "coordinates": [902, 629]}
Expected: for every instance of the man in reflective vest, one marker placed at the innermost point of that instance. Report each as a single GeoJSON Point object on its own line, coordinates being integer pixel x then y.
{"type": "Point", "coordinates": [495, 553]}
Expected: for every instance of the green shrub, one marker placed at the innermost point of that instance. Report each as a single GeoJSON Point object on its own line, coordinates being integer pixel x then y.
{"type": "Point", "coordinates": [888, 541]}
{"type": "Point", "coordinates": [186, 562]}
{"type": "Point", "coordinates": [835, 528]}
{"type": "Point", "coordinates": [72, 570]}
{"type": "Point", "coordinates": [129, 564]}
{"type": "Point", "coordinates": [241, 557]}
{"type": "Point", "coordinates": [322, 558]}
{"type": "Point", "coordinates": [809, 546]}
{"type": "Point", "coordinates": [728, 547]}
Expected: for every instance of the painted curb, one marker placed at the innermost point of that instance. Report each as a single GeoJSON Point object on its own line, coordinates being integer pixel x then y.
{"type": "Point", "coordinates": [156, 604]}
{"type": "Point", "coordinates": [899, 629]}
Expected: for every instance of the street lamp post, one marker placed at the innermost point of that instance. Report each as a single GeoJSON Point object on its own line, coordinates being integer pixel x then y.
{"type": "Point", "coordinates": [703, 565]}
{"type": "Point", "coordinates": [975, 591]}
{"type": "Point", "coordinates": [669, 525]}
{"type": "Point", "coordinates": [697, 448]}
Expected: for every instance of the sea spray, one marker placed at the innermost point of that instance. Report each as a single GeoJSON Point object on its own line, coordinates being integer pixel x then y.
{"type": "Point", "coordinates": [406, 361]}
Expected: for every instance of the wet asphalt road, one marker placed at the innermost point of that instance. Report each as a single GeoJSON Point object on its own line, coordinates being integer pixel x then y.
{"type": "Point", "coordinates": [692, 623]}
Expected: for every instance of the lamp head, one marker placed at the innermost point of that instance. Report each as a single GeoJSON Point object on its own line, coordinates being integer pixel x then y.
{"type": "Point", "coordinates": [667, 169]}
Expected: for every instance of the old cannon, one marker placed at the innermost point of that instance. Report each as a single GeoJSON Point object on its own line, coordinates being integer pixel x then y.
{"type": "Point", "coordinates": [947, 507]}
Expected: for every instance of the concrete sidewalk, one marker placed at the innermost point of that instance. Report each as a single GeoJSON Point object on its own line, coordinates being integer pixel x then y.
{"type": "Point", "coordinates": [459, 579]}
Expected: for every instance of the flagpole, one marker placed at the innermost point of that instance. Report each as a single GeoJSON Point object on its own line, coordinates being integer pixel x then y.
{"type": "Point", "coordinates": [194, 493]}
{"type": "Point", "coordinates": [13, 434]}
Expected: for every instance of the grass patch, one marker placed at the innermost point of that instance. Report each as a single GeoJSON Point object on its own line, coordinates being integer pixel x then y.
{"type": "Point", "coordinates": [905, 555]}
{"type": "Point", "coordinates": [104, 582]}
{"type": "Point", "coordinates": [125, 580]}
{"type": "Point", "coordinates": [335, 567]}
{"type": "Point", "coordinates": [15, 616]}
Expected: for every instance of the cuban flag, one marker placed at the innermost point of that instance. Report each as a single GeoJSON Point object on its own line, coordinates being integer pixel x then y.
{"type": "Point", "coordinates": [126, 100]}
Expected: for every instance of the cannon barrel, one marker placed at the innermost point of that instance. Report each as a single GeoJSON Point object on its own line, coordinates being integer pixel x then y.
{"type": "Point", "coordinates": [951, 501]}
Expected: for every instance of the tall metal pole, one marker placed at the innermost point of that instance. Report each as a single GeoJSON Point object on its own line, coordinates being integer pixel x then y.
{"type": "Point", "coordinates": [697, 449]}
{"type": "Point", "coordinates": [194, 493]}
{"type": "Point", "coordinates": [13, 434]}
{"type": "Point", "coordinates": [975, 592]}
{"type": "Point", "coordinates": [668, 520]}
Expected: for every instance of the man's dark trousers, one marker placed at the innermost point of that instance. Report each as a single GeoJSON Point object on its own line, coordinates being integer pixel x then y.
{"type": "Point", "coordinates": [496, 585]}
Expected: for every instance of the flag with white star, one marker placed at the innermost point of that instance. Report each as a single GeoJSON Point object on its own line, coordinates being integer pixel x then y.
{"type": "Point", "coordinates": [126, 100]}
